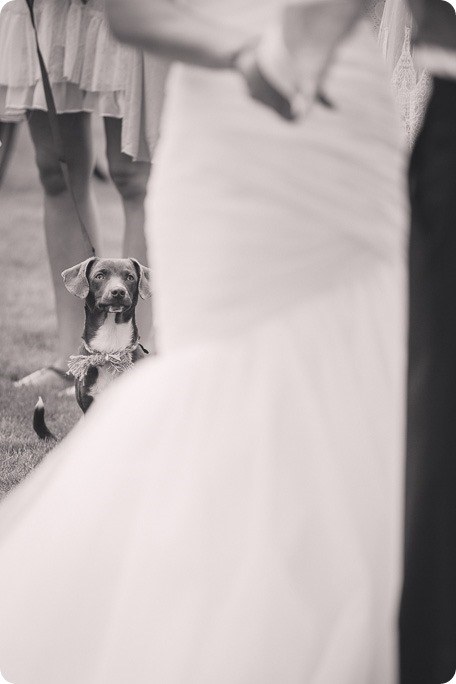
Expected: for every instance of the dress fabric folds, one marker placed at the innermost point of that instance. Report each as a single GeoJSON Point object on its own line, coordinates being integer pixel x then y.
{"type": "Point", "coordinates": [231, 511]}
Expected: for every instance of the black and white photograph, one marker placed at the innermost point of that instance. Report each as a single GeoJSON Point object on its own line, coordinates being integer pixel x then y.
{"type": "Point", "coordinates": [228, 340]}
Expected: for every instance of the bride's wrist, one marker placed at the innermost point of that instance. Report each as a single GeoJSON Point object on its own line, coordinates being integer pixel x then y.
{"type": "Point", "coordinates": [247, 50]}
{"type": "Point", "coordinates": [276, 62]}
{"type": "Point", "coordinates": [269, 54]}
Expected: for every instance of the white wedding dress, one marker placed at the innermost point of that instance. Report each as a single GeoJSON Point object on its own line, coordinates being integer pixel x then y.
{"type": "Point", "coordinates": [230, 512]}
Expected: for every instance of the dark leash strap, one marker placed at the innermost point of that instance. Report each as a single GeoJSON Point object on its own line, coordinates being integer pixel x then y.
{"type": "Point", "coordinates": [55, 129]}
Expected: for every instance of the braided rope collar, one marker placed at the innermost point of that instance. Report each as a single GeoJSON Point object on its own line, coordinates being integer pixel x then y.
{"type": "Point", "coordinates": [117, 362]}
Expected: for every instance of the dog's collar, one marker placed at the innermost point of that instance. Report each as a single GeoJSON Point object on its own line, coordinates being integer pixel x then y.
{"type": "Point", "coordinates": [117, 362]}
{"type": "Point", "coordinates": [131, 348]}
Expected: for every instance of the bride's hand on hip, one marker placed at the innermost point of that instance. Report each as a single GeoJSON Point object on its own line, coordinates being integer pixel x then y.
{"type": "Point", "coordinates": [259, 87]}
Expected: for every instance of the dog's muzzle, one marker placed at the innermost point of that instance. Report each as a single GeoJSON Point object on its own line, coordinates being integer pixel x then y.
{"type": "Point", "coordinates": [116, 300]}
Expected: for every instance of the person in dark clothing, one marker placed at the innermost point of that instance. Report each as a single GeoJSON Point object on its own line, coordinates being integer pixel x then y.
{"type": "Point", "coordinates": [428, 605]}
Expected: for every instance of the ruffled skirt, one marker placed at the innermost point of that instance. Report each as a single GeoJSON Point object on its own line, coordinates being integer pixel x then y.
{"type": "Point", "coordinates": [89, 70]}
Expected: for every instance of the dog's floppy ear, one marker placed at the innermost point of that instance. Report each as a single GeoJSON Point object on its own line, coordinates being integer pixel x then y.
{"type": "Point", "coordinates": [75, 278]}
{"type": "Point", "coordinates": [144, 274]}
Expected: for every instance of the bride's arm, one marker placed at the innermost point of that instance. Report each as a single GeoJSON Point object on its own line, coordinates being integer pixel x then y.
{"type": "Point", "coordinates": [287, 62]}
{"type": "Point", "coordinates": [176, 32]}
{"type": "Point", "coordinates": [173, 30]}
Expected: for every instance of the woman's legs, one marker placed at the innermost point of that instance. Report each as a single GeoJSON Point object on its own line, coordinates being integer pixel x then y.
{"type": "Point", "coordinates": [131, 178]}
{"type": "Point", "coordinates": [7, 135]}
{"type": "Point", "coordinates": [64, 238]}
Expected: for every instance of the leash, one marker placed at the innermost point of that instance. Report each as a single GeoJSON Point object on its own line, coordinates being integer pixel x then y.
{"type": "Point", "coordinates": [55, 129]}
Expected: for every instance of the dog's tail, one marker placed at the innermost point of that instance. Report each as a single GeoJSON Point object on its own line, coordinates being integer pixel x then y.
{"type": "Point", "coordinates": [39, 424]}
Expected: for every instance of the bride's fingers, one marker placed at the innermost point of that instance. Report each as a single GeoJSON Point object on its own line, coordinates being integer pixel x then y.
{"type": "Point", "coordinates": [264, 92]}
{"type": "Point", "coordinates": [260, 88]}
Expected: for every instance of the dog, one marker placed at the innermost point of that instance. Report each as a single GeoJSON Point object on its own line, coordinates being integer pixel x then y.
{"type": "Point", "coordinates": [110, 289]}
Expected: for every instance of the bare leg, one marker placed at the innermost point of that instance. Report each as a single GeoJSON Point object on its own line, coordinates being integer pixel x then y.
{"type": "Point", "coordinates": [131, 178]}
{"type": "Point", "coordinates": [7, 135]}
{"type": "Point", "coordinates": [64, 239]}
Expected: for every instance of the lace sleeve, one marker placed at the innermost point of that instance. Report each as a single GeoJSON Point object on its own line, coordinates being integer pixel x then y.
{"type": "Point", "coordinates": [410, 82]}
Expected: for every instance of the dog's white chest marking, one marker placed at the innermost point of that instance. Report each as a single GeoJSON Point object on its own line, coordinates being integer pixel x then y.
{"type": "Point", "coordinates": [112, 336]}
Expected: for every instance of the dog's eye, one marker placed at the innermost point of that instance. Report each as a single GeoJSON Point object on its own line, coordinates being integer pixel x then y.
{"type": "Point", "coordinates": [130, 277]}
{"type": "Point", "coordinates": [99, 276]}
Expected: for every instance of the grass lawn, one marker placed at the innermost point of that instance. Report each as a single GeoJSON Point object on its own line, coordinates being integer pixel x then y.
{"type": "Point", "coordinates": [28, 325]}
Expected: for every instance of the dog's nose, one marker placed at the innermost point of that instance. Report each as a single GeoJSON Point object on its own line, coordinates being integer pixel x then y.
{"type": "Point", "coordinates": [118, 293]}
